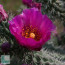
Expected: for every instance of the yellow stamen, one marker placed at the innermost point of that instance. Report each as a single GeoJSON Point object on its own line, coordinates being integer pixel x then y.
{"type": "Point", "coordinates": [32, 35]}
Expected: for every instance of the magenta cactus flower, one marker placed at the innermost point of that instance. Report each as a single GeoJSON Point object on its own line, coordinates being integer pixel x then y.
{"type": "Point", "coordinates": [31, 29]}
{"type": "Point", "coordinates": [27, 2]}
{"type": "Point", "coordinates": [31, 4]}
{"type": "Point", "coordinates": [3, 14]}
{"type": "Point", "coordinates": [36, 5]}
{"type": "Point", "coordinates": [5, 47]}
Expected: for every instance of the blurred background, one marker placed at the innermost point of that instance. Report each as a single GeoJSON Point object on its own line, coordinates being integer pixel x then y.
{"type": "Point", "coordinates": [11, 5]}
{"type": "Point", "coordinates": [53, 52]}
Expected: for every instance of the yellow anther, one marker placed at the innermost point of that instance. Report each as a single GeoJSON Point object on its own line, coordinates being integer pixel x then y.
{"type": "Point", "coordinates": [32, 35]}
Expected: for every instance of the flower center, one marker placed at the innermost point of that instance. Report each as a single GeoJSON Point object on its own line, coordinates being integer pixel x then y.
{"type": "Point", "coordinates": [30, 32]}
{"type": "Point", "coordinates": [32, 35]}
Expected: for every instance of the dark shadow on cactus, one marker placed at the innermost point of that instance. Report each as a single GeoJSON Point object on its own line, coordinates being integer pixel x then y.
{"type": "Point", "coordinates": [21, 55]}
